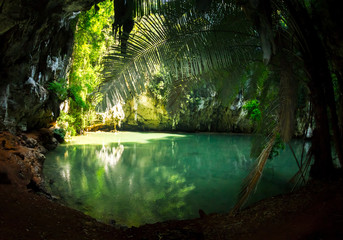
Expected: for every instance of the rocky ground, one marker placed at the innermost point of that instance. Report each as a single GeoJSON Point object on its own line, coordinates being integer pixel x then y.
{"type": "Point", "coordinates": [312, 212]}
{"type": "Point", "coordinates": [22, 156]}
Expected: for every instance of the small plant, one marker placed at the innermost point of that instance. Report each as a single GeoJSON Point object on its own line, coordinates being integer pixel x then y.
{"type": "Point", "coordinates": [74, 92]}
{"type": "Point", "coordinates": [59, 88]}
{"type": "Point", "coordinates": [157, 88]}
{"type": "Point", "coordinates": [59, 134]}
{"type": "Point", "coordinates": [253, 110]}
{"type": "Point", "coordinates": [278, 147]}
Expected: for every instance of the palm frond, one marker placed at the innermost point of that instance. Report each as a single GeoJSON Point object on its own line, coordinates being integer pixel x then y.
{"type": "Point", "coordinates": [180, 87]}
{"type": "Point", "coordinates": [251, 181]}
{"type": "Point", "coordinates": [193, 45]}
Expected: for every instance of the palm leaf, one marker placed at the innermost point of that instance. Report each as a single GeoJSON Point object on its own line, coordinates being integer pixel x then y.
{"type": "Point", "coordinates": [251, 181]}
{"type": "Point", "coordinates": [191, 46]}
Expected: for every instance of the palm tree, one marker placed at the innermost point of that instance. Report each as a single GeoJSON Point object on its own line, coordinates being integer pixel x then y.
{"type": "Point", "coordinates": [309, 46]}
{"type": "Point", "coordinates": [187, 46]}
{"type": "Point", "coordinates": [189, 43]}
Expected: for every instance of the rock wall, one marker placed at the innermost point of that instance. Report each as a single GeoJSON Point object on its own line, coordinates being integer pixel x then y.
{"type": "Point", "coordinates": [22, 156]}
{"type": "Point", "coordinates": [144, 113]}
{"type": "Point", "coordinates": [36, 42]}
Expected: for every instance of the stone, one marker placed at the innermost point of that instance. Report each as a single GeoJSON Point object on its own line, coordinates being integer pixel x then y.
{"type": "Point", "coordinates": [143, 113]}
{"type": "Point", "coordinates": [51, 145]}
{"type": "Point", "coordinates": [23, 163]}
{"type": "Point", "coordinates": [31, 143]}
{"type": "Point", "coordinates": [36, 46]}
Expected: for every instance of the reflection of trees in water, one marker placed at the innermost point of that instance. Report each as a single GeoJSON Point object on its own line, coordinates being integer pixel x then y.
{"type": "Point", "coordinates": [110, 155]}
{"type": "Point", "coordinates": [243, 161]}
{"type": "Point", "coordinates": [132, 186]}
{"type": "Point", "coordinates": [154, 181]}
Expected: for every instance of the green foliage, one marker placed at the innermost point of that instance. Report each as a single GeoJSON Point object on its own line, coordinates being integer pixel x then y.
{"type": "Point", "coordinates": [93, 37]}
{"type": "Point", "coordinates": [60, 134]}
{"type": "Point", "coordinates": [67, 122]}
{"type": "Point", "coordinates": [253, 110]}
{"type": "Point", "coordinates": [188, 47]}
{"type": "Point", "coordinates": [277, 148]}
{"type": "Point", "coordinates": [197, 94]}
{"type": "Point", "coordinates": [75, 92]}
{"type": "Point", "coordinates": [158, 88]}
{"type": "Point", "coordinates": [59, 88]}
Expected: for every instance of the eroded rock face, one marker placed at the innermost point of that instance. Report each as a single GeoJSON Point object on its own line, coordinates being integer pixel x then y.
{"type": "Point", "coordinates": [143, 113]}
{"type": "Point", "coordinates": [36, 41]}
{"type": "Point", "coordinates": [22, 156]}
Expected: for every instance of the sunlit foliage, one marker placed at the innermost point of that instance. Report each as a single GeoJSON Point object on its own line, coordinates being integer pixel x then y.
{"type": "Point", "coordinates": [93, 36]}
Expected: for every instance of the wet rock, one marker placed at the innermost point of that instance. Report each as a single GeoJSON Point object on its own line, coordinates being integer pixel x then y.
{"type": "Point", "coordinates": [19, 154]}
{"type": "Point", "coordinates": [31, 143]}
{"type": "Point", "coordinates": [22, 157]}
{"type": "Point", "coordinates": [42, 149]}
{"type": "Point", "coordinates": [8, 141]}
{"type": "Point", "coordinates": [51, 145]}
{"type": "Point", "coordinates": [59, 134]}
{"type": "Point", "coordinates": [40, 157]}
{"type": "Point", "coordinates": [45, 138]}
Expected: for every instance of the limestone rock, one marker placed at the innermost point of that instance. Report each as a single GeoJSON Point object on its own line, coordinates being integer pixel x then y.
{"type": "Point", "coordinates": [142, 113]}
{"type": "Point", "coordinates": [36, 45]}
{"type": "Point", "coordinates": [22, 156]}
{"type": "Point", "coordinates": [209, 114]}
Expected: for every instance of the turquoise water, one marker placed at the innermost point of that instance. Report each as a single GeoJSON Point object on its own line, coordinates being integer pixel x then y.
{"type": "Point", "coordinates": [138, 178]}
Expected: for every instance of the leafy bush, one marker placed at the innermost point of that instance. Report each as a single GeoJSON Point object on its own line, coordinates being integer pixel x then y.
{"type": "Point", "coordinates": [59, 134]}
{"type": "Point", "coordinates": [67, 122]}
{"type": "Point", "coordinates": [157, 88]}
{"type": "Point", "coordinates": [253, 110]}
{"type": "Point", "coordinates": [59, 88]}
{"type": "Point", "coordinates": [74, 92]}
{"type": "Point", "coordinates": [93, 37]}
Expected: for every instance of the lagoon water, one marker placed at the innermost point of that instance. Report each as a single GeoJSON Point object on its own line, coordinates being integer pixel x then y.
{"type": "Point", "coordinates": [136, 177]}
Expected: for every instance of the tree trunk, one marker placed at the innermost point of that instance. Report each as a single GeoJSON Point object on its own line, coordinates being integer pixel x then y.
{"type": "Point", "coordinates": [340, 103]}
{"type": "Point", "coordinates": [330, 96]}
{"type": "Point", "coordinates": [328, 21]}
{"type": "Point", "coordinates": [319, 74]}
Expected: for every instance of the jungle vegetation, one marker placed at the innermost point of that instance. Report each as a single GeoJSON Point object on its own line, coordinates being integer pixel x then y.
{"type": "Point", "coordinates": [285, 56]}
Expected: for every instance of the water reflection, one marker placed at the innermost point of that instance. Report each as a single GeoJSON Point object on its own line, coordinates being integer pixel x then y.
{"type": "Point", "coordinates": [110, 155]}
{"type": "Point", "coordinates": [169, 177]}
{"type": "Point", "coordinates": [65, 173]}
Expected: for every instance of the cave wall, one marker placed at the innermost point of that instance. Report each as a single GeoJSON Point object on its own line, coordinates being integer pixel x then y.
{"type": "Point", "coordinates": [36, 42]}
{"type": "Point", "coordinates": [144, 113]}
